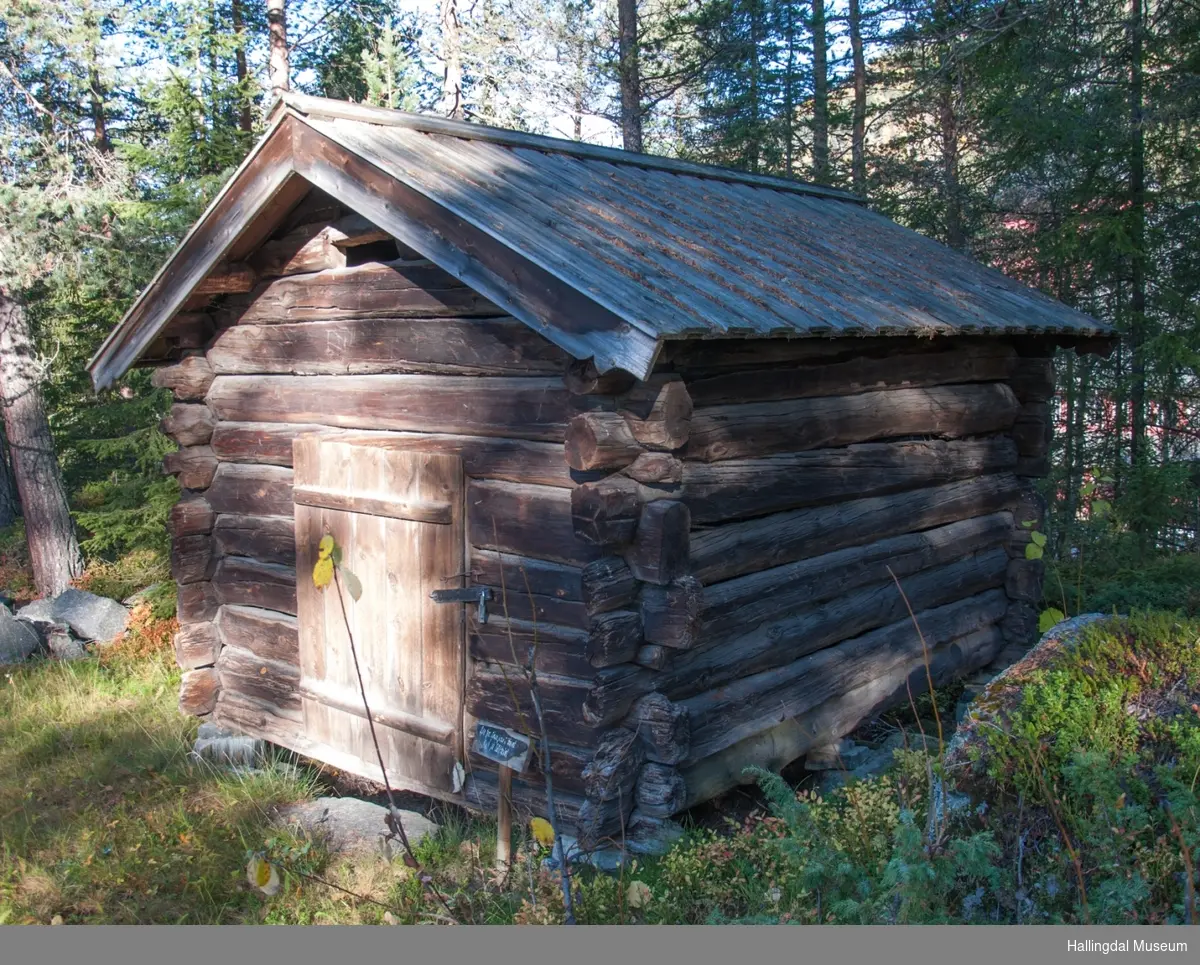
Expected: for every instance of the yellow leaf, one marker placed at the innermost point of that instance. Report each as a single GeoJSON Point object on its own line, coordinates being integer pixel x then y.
{"type": "Point", "coordinates": [323, 572]}
{"type": "Point", "coordinates": [638, 895]}
{"type": "Point", "coordinates": [263, 876]}
{"type": "Point", "coordinates": [543, 832]}
{"type": "Point", "coordinates": [325, 548]}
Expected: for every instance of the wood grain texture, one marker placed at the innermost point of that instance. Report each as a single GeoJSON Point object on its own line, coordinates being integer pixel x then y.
{"type": "Point", "coordinates": [518, 408]}
{"type": "Point", "coordinates": [444, 346]}
{"type": "Point", "coordinates": [991, 361]}
{"type": "Point", "coordinates": [557, 650]}
{"type": "Point", "coordinates": [531, 521]}
{"type": "Point", "coordinates": [188, 379]}
{"type": "Point", "coordinates": [735, 549]}
{"type": "Point", "coordinates": [193, 466]}
{"type": "Point", "coordinates": [661, 547]}
{"type": "Point", "coordinates": [191, 516]}
{"type": "Point", "coordinates": [266, 633]}
{"type": "Point", "coordinates": [253, 583]}
{"type": "Point", "coordinates": [197, 645]}
{"type": "Point", "coordinates": [531, 589]}
{"type": "Point", "coordinates": [189, 424]}
{"type": "Point", "coordinates": [191, 558]}
{"type": "Point", "coordinates": [198, 691]}
{"type": "Point", "coordinates": [271, 539]}
{"type": "Point", "coordinates": [246, 490]}
{"type": "Point", "coordinates": [759, 429]}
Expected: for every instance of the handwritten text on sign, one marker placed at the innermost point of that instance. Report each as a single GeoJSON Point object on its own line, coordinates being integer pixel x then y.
{"type": "Point", "coordinates": [501, 745]}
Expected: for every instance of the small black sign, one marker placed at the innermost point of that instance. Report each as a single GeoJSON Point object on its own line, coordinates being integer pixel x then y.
{"type": "Point", "coordinates": [501, 745]}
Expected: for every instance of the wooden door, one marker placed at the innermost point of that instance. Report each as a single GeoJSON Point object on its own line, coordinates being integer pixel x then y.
{"type": "Point", "coordinates": [397, 518]}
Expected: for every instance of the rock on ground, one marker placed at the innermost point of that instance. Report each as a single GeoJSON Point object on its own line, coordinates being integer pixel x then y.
{"type": "Point", "coordinates": [964, 759]}
{"type": "Point", "coordinates": [18, 640]}
{"type": "Point", "coordinates": [347, 825]}
{"type": "Point", "coordinates": [89, 616]}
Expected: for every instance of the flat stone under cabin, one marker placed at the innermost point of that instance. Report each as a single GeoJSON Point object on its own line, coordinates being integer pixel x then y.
{"type": "Point", "coordinates": [673, 433]}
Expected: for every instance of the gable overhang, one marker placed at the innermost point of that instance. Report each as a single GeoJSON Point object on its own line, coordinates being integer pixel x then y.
{"type": "Point", "coordinates": [289, 160]}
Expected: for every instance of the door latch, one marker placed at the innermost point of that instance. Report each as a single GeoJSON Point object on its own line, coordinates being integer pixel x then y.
{"type": "Point", "coordinates": [470, 594]}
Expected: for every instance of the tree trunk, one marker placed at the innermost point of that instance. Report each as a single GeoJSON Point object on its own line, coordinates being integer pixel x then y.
{"type": "Point", "coordinates": [53, 549]}
{"type": "Point", "coordinates": [10, 506]}
{"type": "Point", "coordinates": [858, 131]}
{"type": "Point", "coordinates": [245, 115]}
{"type": "Point", "coordinates": [278, 67]}
{"type": "Point", "coordinates": [630, 77]}
{"type": "Point", "coordinates": [452, 99]}
{"type": "Point", "coordinates": [820, 149]}
{"type": "Point", "coordinates": [955, 234]}
{"type": "Point", "coordinates": [1137, 198]}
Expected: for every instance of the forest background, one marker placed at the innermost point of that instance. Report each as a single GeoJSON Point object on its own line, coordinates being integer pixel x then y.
{"type": "Point", "coordinates": [1053, 139]}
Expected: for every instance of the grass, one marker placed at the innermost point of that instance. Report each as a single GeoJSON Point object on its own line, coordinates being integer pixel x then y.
{"type": "Point", "coordinates": [1090, 813]}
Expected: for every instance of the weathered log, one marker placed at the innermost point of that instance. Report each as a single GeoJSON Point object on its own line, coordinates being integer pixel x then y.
{"type": "Point", "coordinates": [655, 467]}
{"type": "Point", "coordinates": [759, 429]}
{"type": "Point", "coordinates": [776, 747]}
{"type": "Point", "coordinates": [198, 691]}
{"type": "Point", "coordinates": [600, 440]}
{"type": "Point", "coordinates": [506, 460]}
{"type": "Point", "coordinates": [197, 645]}
{"type": "Point", "coordinates": [613, 770]}
{"type": "Point", "coordinates": [582, 378]}
{"type": "Point", "coordinates": [566, 766]}
{"type": "Point", "coordinates": [741, 488]}
{"type": "Point", "coordinates": [259, 718]}
{"type": "Point", "coordinates": [371, 346]}
{"type": "Point", "coordinates": [249, 490]}
{"type": "Point", "coordinates": [525, 520]}
{"type": "Point", "coordinates": [1024, 580]}
{"type": "Point", "coordinates": [662, 542]}
{"type": "Point", "coordinates": [194, 466]}
{"type": "Point", "coordinates": [189, 424]}
{"type": "Point", "coordinates": [1033, 431]}
{"type": "Point", "coordinates": [228, 279]}
{"type": "Point", "coordinates": [613, 691]}
{"type": "Point", "coordinates": [188, 332]}
{"type": "Point", "coordinates": [658, 412]}
{"type": "Point", "coordinates": [660, 791]}
{"type": "Point", "coordinates": [1020, 625]}
{"type": "Point", "coordinates": [530, 589]}
{"type": "Point", "coordinates": [986, 362]}
{"type": "Point", "coordinates": [515, 408]}
{"type": "Point", "coordinates": [253, 583]}
{"type": "Point", "coordinates": [502, 697]}
{"type": "Point", "coordinates": [744, 547]}
{"type": "Point", "coordinates": [191, 516]}
{"type": "Point", "coordinates": [354, 231]}
{"type": "Point", "coordinates": [671, 614]}
{"type": "Point", "coordinates": [608, 584]}
{"type": "Point", "coordinates": [602, 820]}
{"type": "Point", "coordinates": [260, 677]}
{"type": "Point", "coordinates": [605, 513]}
{"type": "Point", "coordinates": [1029, 509]}
{"type": "Point", "coordinates": [196, 603]}
{"type": "Point", "coordinates": [395, 289]}
{"type": "Point", "coordinates": [614, 637]}
{"type": "Point", "coordinates": [754, 703]}
{"type": "Point", "coordinates": [738, 607]}
{"type": "Point", "coordinates": [594, 827]}
{"type": "Point", "coordinates": [265, 633]}
{"type": "Point", "coordinates": [271, 539]}
{"type": "Point", "coordinates": [306, 248]}
{"type": "Point", "coordinates": [652, 656]}
{"type": "Point", "coordinates": [559, 650]}
{"type": "Point", "coordinates": [699, 357]}
{"type": "Point", "coordinates": [188, 379]}
{"type": "Point", "coordinates": [792, 635]}
{"type": "Point", "coordinates": [191, 558]}
{"type": "Point", "coordinates": [1032, 379]}
{"type": "Point", "coordinates": [663, 726]}
{"type": "Point", "coordinates": [264, 443]}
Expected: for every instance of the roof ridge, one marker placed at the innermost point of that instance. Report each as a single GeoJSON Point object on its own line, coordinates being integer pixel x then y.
{"type": "Point", "coordinates": [319, 107]}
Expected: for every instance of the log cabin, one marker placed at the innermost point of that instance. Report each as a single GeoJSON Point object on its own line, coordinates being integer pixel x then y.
{"type": "Point", "coordinates": [687, 441]}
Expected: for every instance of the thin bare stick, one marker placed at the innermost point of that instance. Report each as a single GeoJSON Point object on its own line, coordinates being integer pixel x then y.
{"type": "Point", "coordinates": [925, 653]}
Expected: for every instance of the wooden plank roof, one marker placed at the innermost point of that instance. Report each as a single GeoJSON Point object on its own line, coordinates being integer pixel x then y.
{"type": "Point", "coordinates": [606, 253]}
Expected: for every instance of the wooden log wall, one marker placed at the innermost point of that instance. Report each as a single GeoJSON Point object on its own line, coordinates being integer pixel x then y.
{"type": "Point", "coordinates": [703, 565]}
{"type": "Point", "coordinates": [765, 530]}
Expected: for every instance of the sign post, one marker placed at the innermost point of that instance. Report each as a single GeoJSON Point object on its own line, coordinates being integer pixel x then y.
{"type": "Point", "coordinates": [511, 751]}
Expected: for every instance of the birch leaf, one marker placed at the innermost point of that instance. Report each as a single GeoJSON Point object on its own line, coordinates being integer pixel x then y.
{"type": "Point", "coordinates": [322, 572]}
{"type": "Point", "coordinates": [263, 876]}
{"type": "Point", "coordinates": [543, 832]}
{"type": "Point", "coordinates": [353, 584]}
{"type": "Point", "coordinates": [325, 547]}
